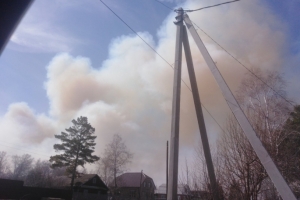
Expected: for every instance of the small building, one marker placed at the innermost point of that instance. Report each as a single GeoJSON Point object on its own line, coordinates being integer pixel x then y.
{"type": "Point", "coordinates": [89, 186]}
{"type": "Point", "coordinates": [133, 186]}
{"type": "Point", "coordinates": [183, 192]}
{"type": "Point", "coordinates": [15, 189]}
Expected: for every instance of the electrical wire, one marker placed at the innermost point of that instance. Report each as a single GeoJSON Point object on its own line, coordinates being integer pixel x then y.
{"type": "Point", "coordinates": [134, 31]}
{"type": "Point", "coordinates": [211, 6]}
{"type": "Point", "coordinates": [232, 55]}
{"type": "Point", "coordinates": [159, 56]}
{"type": "Point", "coordinates": [264, 82]}
{"type": "Point", "coordinates": [163, 4]}
{"type": "Point", "coordinates": [23, 150]}
{"type": "Point", "coordinates": [142, 39]}
{"type": "Point", "coordinates": [198, 8]}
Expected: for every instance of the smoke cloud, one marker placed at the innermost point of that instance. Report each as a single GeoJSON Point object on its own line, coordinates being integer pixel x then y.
{"type": "Point", "coordinates": [22, 124]}
{"type": "Point", "coordinates": [131, 92]}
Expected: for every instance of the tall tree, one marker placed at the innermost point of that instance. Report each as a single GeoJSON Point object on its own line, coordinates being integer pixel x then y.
{"type": "Point", "coordinates": [243, 174]}
{"type": "Point", "coordinates": [104, 170]}
{"type": "Point", "coordinates": [289, 150]}
{"type": "Point", "coordinates": [268, 112]}
{"type": "Point", "coordinates": [117, 156]}
{"type": "Point", "coordinates": [77, 147]}
{"type": "Point", "coordinates": [265, 108]}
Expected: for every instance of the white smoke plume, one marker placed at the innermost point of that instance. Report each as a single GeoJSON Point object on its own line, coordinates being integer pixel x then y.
{"type": "Point", "coordinates": [131, 93]}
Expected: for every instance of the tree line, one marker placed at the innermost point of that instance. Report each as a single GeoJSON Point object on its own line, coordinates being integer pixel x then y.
{"type": "Point", "coordinates": [33, 173]}
{"type": "Point", "coordinates": [239, 172]}
{"type": "Point", "coordinates": [75, 150]}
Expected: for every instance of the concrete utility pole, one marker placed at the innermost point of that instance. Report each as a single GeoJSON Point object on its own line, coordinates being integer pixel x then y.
{"type": "Point", "coordinates": [182, 39]}
{"type": "Point", "coordinates": [264, 157]}
{"type": "Point", "coordinates": [174, 141]}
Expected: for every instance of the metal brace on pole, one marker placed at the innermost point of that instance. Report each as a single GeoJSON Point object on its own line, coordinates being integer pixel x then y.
{"type": "Point", "coordinates": [264, 157]}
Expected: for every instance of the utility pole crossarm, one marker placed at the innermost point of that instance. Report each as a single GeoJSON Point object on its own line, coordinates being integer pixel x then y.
{"type": "Point", "coordinates": [264, 157]}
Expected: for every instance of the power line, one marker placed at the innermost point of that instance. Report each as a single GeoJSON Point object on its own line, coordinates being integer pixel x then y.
{"type": "Point", "coordinates": [198, 8]}
{"type": "Point", "coordinates": [244, 66]}
{"type": "Point", "coordinates": [159, 56]}
{"type": "Point", "coordinates": [134, 32]}
{"type": "Point", "coordinates": [141, 38]}
{"type": "Point", "coordinates": [210, 6]}
{"type": "Point", "coordinates": [232, 55]}
{"type": "Point", "coordinates": [163, 4]}
{"type": "Point", "coordinates": [23, 149]}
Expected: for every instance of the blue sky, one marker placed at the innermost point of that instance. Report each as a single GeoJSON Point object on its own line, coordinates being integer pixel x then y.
{"type": "Point", "coordinates": [70, 59]}
{"type": "Point", "coordinates": [91, 28]}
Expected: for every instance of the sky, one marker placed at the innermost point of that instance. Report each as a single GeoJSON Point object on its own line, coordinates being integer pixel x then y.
{"type": "Point", "coordinates": [70, 59]}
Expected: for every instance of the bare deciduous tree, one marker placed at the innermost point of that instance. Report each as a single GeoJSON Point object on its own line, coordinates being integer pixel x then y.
{"type": "Point", "coordinates": [239, 172]}
{"type": "Point", "coordinates": [195, 174]}
{"type": "Point", "coordinates": [116, 157]}
{"type": "Point", "coordinates": [4, 166]}
{"type": "Point", "coordinates": [265, 108]}
{"type": "Point", "coordinates": [40, 175]}
{"type": "Point", "coordinates": [199, 180]}
{"type": "Point", "coordinates": [21, 166]}
{"type": "Point", "coordinates": [243, 175]}
{"type": "Point", "coordinates": [105, 171]}
{"type": "Point", "coordinates": [242, 172]}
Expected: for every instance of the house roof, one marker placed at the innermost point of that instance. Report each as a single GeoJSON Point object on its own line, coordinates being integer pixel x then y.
{"type": "Point", "coordinates": [85, 181]}
{"type": "Point", "coordinates": [84, 178]}
{"type": "Point", "coordinates": [182, 189]}
{"type": "Point", "coordinates": [131, 179]}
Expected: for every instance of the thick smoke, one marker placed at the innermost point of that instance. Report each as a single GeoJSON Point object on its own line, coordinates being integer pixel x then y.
{"type": "Point", "coordinates": [131, 93]}
{"type": "Point", "coordinates": [22, 125]}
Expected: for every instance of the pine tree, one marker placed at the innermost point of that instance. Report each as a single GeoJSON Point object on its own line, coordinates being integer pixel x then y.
{"type": "Point", "coordinates": [289, 149]}
{"type": "Point", "coordinates": [77, 147]}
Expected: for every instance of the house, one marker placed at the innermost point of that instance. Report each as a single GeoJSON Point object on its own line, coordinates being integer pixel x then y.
{"type": "Point", "coordinates": [15, 189]}
{"type": "Point", "coordinates": [134, 186]}
{"type": "Point", "coordinates": [89, 186]}
{"type": "Point", "coordinates": [183, 192]}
